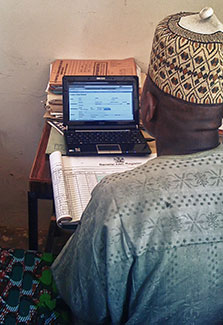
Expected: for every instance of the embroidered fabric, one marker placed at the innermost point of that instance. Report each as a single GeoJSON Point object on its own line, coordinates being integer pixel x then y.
{"type": "Point", "coordinates": [187, 65]}
{"type": "Point", "coordinates": [149, 246]}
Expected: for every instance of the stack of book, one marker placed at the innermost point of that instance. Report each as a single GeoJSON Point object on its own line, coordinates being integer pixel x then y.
{"type": "Point", "coordinates": [54, 106]}
{"type": "Point", "coordinates": [59, 68]}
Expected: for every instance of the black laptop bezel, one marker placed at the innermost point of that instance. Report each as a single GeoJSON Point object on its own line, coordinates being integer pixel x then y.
{"type": "Point", "coordinates": [133, 80]}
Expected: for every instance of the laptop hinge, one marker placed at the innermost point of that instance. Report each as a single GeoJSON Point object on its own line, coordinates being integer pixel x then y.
{"type": "Point", "coordinates": [101, 128]}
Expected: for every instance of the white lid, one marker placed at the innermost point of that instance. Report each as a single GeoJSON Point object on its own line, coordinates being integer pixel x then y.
{"type": "Point", "coordinates": [205, 22]}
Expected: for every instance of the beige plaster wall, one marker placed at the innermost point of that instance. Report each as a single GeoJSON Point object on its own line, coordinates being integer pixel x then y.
{"type": "Point", "coordinates": [33, 34]}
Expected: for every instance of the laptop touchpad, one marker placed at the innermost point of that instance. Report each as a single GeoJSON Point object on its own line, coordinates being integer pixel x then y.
{"type": "Point", "coordinates": [108, 148]}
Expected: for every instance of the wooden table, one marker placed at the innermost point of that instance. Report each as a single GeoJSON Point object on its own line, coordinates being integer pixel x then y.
{"type": "Point", "coordinates": [40, 186]}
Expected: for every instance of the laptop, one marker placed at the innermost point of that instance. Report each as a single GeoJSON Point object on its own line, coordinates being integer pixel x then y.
{"type": "Point", "coordinates": [101, 116]}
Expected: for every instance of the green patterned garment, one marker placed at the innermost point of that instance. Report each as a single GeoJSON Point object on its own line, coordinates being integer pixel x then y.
{"type": "Point", "coordinates": [28, 294]}
{"type": "Point", "coordinates": [149, 249]}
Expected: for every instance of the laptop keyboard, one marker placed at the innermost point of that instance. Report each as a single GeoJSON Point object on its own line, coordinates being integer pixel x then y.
{"type": "Point", "coordinates": [105, 137]}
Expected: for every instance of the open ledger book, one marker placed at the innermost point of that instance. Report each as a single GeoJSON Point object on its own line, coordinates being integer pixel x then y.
{"type": "Point", "coordinates": [74, 178]}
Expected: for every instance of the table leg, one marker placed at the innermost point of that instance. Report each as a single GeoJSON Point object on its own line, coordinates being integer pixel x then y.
{"type": "Point", "coordinates": [33, 220]}
{"type": "Point", "coordinates": [51, 235]}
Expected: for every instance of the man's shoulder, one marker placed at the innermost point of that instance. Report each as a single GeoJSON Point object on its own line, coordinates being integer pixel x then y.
{"type": "Point", "coordinates": [155, 172]}
{"type": "Point", "coordinates": [127, 178]}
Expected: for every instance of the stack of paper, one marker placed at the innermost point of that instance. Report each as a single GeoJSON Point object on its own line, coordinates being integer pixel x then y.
{"type": "Point", "coordinates": [59, 68]}
{"type": "Point", "coordinates": [74, 178]}
{"type": "Point", "coordinates": [54, 105]}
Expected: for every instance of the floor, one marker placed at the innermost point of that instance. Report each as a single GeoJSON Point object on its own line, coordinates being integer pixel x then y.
{"type": "Point", "coordinates": [18, 238]}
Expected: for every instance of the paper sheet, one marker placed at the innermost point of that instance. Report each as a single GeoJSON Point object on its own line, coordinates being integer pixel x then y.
{"type": "Point", "coordinates": [74, 178]}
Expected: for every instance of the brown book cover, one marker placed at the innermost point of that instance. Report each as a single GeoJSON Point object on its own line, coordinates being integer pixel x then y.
{"type": "Point", "coordinates": [59, 68]}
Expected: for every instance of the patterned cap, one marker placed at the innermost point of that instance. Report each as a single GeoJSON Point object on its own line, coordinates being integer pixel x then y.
{"type": "Point", "coordinates": [186, 64]}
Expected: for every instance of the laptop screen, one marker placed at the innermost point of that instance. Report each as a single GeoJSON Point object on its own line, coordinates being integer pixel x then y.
{"type": "Point", "coordinates": [100, 102]}
{"type": "Point", "coordinates": [92, 101]}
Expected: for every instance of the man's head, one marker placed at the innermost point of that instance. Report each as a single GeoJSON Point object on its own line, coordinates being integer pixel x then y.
{"type": "Point", "coordinates": [182, 99]}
